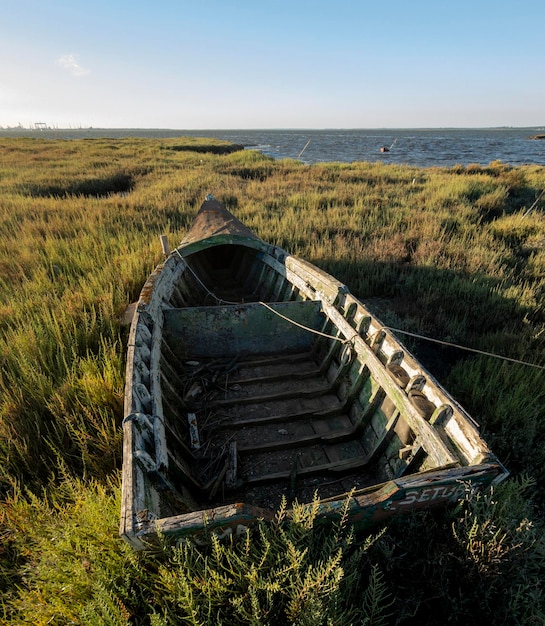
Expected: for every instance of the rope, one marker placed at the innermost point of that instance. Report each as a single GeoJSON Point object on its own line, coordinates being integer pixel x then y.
{"type": "Point", "coordinates": [310, 330]}
{"type": "Point", "coordinates": [208, 292]}
{"type": "Point", "coordinates": [533, 205]}
{"type": "Point", "coordinates": [221, 301]}
{"type": "Point", "coordinates": [455, 345]}
{"type": "Point", "coordinates": [349, 341]}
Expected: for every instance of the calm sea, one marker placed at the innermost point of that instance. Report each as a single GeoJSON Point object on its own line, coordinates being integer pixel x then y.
{"type": "Point", "coordinates": [425, 148]}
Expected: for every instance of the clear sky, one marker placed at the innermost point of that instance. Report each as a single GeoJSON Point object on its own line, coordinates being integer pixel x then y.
{"type": "Point", "coordinates": [226, 64]}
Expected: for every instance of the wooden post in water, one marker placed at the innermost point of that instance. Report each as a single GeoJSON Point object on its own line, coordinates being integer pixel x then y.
{"type": "Point", "coordinates": [306, 146]}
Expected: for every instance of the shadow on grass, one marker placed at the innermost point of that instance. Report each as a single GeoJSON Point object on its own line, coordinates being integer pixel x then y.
{"type": "Point", "coordinates": [206, 148]}
{"type": "Point", "coordinates": [440, 304]}
{"type": "Point", "coordinates": [91, 188]}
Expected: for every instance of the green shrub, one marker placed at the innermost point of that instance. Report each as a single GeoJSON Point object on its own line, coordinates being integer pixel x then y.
{"type": "Point", "coordinates": [291, 571]}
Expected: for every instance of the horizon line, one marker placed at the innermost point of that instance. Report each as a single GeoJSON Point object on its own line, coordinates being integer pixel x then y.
{"type": "Point", "coordinates": [256, 128]}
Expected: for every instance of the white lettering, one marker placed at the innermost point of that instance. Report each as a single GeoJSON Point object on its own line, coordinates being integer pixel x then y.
{"type": "Point", "coordinates": [437, 491]}
{"type": "Point", "coordinates": [441, 492]}
{"type": "Point", "coordinates": [424, 497]}
{"type": "Point", "coordinates": [410, 498]}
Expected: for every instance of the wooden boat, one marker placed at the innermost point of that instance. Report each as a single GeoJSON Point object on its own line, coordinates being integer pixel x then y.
{"type": "Point", "coordinates": [253, 376]}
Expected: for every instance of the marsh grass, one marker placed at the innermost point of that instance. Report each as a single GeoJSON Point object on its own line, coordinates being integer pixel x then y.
{"type": "Point", "coordinates": [292, 571]}
{"type": "Point", "coordinates": [448, 253]}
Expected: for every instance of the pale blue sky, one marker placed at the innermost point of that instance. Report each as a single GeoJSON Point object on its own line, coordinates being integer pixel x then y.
{"type": "Point", "coordinates": [210, 64]}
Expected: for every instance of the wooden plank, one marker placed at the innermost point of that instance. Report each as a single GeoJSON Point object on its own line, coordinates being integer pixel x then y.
{"type": "Point", "coordinates": [430, 438]}
{"type": "Point", "coordinates": [296, 373]}
{"type": "Point", "coordinates": [417, 453]}
{"type": "Point", "coordinates": [334, 347]}
{"type": "Point", "coordinates": [264, 398]}
{"type": "Point", "coordinates": [268, 284]}
{"type": "Point", "coordinates": [382, 442]}
{"type": "Point", "coordinates": [283, 417]}
{"type": "Point", "coordinates": [173, 392]}
{"type": "Point", "coordinates": [180, 445]}
{"type": "Point", "coordinates": [267, 359]}
{"type": "Point", "coordinates": [278, 287]}
{"type": "Point", "coordinates": [338, 467]}
{"type": "Point", "coordinates": [229, 330]}
{"type": "Point", "coordinates": [231, 477]}
{"type": "Point", "coordinates": [286, 444]}
{"type": "Point", "coordinates": [184, 474]}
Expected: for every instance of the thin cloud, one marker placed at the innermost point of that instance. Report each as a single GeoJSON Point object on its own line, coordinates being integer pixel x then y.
{"type": "Point", "coordinates": [70, 63]}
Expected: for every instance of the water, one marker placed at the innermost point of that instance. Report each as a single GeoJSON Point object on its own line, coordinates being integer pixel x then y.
{"type": "Point", "coordinates": [424, 148]}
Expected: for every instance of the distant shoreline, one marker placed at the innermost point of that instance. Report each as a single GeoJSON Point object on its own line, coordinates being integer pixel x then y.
{"type": "Point", "coordinates": [421, 147]}
{"type": "Point", "coordinates": [16, 129]}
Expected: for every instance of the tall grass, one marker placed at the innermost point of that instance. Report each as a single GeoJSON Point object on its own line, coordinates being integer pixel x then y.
{"type": "Point", "coordinates": [450, 253]}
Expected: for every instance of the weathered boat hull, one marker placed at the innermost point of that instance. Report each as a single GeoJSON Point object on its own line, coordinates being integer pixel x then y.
{"type": "Point", "coordinates": [254, 376]}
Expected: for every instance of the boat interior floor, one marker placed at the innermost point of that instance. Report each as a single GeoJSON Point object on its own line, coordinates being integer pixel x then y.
{"type": "Point", "coordinates": [257, 428]}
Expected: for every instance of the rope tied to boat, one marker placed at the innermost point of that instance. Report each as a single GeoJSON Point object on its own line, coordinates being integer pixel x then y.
{"type": "Point", "coordinates": [460, 347]}
{"type": "Point", "coordinates": [346, 355]}
{"type": "Point", "coordinates": [348, 342]}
